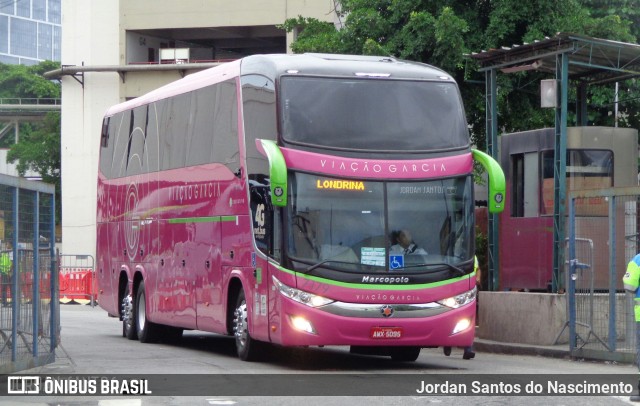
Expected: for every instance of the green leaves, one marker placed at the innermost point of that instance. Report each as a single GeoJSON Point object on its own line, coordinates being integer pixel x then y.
{"type": "Point", "coordinates": [19, 81]}
{"type": "Point", "coordinates": [440, 32]}
{"type": "Point", "coordinates": [38, 148]}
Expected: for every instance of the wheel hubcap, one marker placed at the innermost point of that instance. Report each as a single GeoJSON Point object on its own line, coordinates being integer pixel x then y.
{"type": "Point", "coordinates": [127, 310]}
{"type": "Point", "coordinates": [142, 312]}
{"type": "Point", "coordinates": [240, 324]}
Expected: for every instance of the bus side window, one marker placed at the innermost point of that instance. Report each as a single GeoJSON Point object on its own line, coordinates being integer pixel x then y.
{"type": "Point", "coordinates": [106, 146]}
{"type": "Point", "coordinates": [121, 141]}
{"type": "Point", "coordinates": [175, 124]}
{"type": "Point", "coordinates": [226, 149]}
{"type": "Point", "coordinates": [136, 162]}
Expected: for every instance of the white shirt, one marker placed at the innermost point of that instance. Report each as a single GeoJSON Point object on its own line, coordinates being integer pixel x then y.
{"type": "Point", "coordinates": [412, 249]}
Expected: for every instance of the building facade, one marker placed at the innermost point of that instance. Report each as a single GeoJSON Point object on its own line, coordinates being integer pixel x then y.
{"type": "Point", "coordinates": [30, 31]}
{"type": "Point", "coordinates": [123, 49]}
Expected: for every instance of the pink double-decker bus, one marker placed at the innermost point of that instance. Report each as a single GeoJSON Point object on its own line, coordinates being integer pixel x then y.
{"type": "Point", "coordinates": [299, 200]}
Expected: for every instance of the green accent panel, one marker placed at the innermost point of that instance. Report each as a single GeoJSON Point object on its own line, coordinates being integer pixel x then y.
{"type": "Point", "coordinates": [277, 172]}
{"type": "Point", "coordinates": [259, 276]}
{"type": "Point", "coordinates": [366, 286]}
{"type": "Point", "coordinates": [214, 219]}
{"type": "Point", "coordinates": [497, 183]}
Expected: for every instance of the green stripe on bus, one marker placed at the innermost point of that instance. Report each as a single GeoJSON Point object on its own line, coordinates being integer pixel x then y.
{"type": "Point", "coordinates": [374, 286]}
{"type": "Point", "coordinates": [214, 219]}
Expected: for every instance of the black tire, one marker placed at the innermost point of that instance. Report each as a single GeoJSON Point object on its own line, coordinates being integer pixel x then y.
{"type": "Point", "coordinates": [405, 354]}
{"type": "Point", "coordinates": [171, 334]}
{"type": "Point", "coordinates": [129, 329]}
{"type": "Point", "coordinates": [246, 347]}
{"type": "Point", "coordinates": [147, 331]}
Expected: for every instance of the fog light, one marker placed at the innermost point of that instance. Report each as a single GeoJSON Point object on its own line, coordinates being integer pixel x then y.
{"type": "Point", "coordinates": [461, 326]}
{"type": "Point", "coordinates": [302, 324]}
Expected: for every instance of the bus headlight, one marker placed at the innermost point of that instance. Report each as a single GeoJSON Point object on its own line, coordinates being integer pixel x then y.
{"type": "Point", "coordinates": [301, 296]}
{"type": "Point", "coordinates": [460, 300]}
{"type": "Point", "coordinates": [302, 324]}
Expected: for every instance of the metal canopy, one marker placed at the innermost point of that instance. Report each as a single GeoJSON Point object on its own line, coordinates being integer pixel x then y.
{"type": "Point", "coordinates": [584, 60]}
{"type": "Point", "coordinates": [592, 60]}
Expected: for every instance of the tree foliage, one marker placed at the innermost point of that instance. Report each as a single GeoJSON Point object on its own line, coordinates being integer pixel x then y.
{"type": "Point", "coordinates": [20, 81]}
{"type": "Point", "coordinates": [38, 147]}
{"type": "Point", "coordinates": [441, 32]}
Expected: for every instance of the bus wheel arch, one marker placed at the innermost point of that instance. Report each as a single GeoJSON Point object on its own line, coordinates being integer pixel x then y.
{"type": "Point", "coordinates": [235, 286]}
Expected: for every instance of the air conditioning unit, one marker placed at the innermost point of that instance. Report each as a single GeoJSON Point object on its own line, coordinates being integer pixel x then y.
{"type": "Point", "coordinates": [174, 55]}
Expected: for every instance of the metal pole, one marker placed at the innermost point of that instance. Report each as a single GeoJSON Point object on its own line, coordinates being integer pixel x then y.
{"type": "Point", "coordinates": [36, 272]}
{"type": "Point", "coordinates": [571, 298]}
{"type": "Point", "coordinates": [492, 149]}
{"type": "Point", "coordinates": [559, 174]}
{"type": "Point", "coordinates": [54, 307]}
{"type": "Point", "coordinates": [612, 273]}
{"type": "Point", "coordinates": [15, 294]}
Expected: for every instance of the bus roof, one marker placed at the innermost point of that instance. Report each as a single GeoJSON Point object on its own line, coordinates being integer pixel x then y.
{"type": "Point", "coordinates": [275, 65]}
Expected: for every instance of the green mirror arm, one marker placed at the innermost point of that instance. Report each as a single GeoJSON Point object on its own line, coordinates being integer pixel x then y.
{"type": "Point", "coordinates": [497, 183]}
{"type": "Point", "coordinates": [277, 171]}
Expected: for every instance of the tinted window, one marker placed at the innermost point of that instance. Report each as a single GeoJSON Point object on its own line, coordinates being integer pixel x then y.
{"type": "Point", "coordinates": [259, 114]}
{"type": "Point", "coordinates": [152, 143]}
{"type": "Point", "coordinates": [121, 127]}
{"type": "Point", "coordinates": [203, 103]}
{"type": "Point", "coordinates": [106, 146]}
{"type": "Point", "coordinates": [225, 112]}
{"type": "Point", "coordinates": [376, 114]}
{"type": "Point", "coordinates": [136, 160]}
{"type": "Point", "coordinates": [175, 126]}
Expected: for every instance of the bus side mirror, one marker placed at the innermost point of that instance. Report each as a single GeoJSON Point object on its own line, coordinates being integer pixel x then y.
{"type": "Point", "coordinates": [277, 171]}
{"type": "Point", "coordinates": [497, 184]}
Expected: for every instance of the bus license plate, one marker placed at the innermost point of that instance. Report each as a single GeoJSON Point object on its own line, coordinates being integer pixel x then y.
{"type": "Point", "coordinates": [386, 332]}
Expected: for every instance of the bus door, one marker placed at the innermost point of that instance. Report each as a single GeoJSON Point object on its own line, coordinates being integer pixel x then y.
{"type": "Point", "coordinates": [267, 245]}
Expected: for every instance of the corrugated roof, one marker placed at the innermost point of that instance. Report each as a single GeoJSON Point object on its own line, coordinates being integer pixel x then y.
{"type": "Point", "coordinates": [592, 60]}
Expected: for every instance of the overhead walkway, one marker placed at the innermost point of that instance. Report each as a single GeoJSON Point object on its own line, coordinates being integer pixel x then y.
{"type": "Point", "coordinates": [16, 109]}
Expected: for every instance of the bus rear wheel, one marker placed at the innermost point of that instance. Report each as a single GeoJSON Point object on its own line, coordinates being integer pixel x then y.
{"type": "Point", "coordinates": [246, 346]}
{"type": "Point", "coordinates": [147, 331]}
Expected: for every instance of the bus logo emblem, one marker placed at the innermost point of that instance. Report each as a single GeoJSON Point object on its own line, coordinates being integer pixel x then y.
{"type": "Point", "coordinates": [277, 191]}
{"type": "Point", "coordinates": [386, 311]}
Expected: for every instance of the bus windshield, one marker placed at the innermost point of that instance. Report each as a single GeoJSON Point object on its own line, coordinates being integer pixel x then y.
{"type": "Point", "coordinates": [372, 115]}
{"type": "Point", "coordinates": [376, 226]}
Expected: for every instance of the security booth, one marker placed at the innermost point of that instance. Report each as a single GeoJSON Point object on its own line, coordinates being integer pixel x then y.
{"type": "Point", "coordinates": [596, 158]}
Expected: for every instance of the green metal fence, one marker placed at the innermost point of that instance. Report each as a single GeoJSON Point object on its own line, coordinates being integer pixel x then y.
{"type": "Point", "coordinates": [29, 311]}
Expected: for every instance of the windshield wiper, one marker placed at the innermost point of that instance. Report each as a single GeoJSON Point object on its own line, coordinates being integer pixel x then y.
{"type": "Point", "coordinates": [314, 266]}
{"type": "Point", "coordinates": [324, 261]}
{"type": "Point", "coordinates": [452, 267]}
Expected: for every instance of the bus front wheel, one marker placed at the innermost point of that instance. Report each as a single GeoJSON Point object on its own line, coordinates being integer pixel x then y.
{"type": "Point", "coordinates": [405, 354]}
{"type": "Point", "coordinates": [246, 346]}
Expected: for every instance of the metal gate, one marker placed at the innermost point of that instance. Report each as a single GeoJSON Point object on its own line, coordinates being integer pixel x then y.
{"type": "Point", "coordinates": [603, 229]}
{"type": "Point", "coordinates": [29, 312]}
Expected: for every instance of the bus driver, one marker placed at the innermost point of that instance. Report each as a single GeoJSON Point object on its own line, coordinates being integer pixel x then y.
{"type": "Point", "coordinates": [404, 244]}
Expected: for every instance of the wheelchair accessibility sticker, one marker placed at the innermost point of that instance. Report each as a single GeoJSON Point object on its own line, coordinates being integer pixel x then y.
{"type": "Point", "coordinates": [396, 261]}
